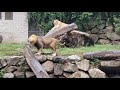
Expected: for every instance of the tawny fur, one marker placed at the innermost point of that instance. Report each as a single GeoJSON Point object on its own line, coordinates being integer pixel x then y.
{"type": "Point", "coordinates": [41, 43]}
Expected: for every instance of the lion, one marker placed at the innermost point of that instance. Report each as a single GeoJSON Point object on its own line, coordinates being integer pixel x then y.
{"type": "Point", "coordinates": [42, 42]}
{"type": "Point", "coordinates": [59, 24]}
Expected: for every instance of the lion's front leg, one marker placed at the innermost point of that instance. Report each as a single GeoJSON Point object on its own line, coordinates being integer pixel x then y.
{"type": "Point", "coordinates": [39, 52]}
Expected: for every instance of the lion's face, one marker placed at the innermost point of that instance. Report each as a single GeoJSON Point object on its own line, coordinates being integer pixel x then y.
{"type": "Point", "coordinates": [32, 39]}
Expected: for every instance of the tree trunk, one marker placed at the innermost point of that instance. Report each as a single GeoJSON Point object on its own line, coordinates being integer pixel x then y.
{"type": "Point", "coordinates": [110, 67]}
{"type": "Point", "coordinates": [103, 55]}
{"type": "Point", "coordinates": [34, 64]}
{"type": "Point", "coordinates": [60, 31]}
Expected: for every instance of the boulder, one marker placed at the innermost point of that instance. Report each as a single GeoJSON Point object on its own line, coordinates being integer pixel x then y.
{"type": "Point", "coordinates": [104, 42]}
{"type": "Point", "coordinates": [29, 74]}
{"type": "Point", "coordinates": [18, 74]}
{"type": "Point", "coordinates": [59, 59]}
{"type": "Point", "coordinates": [116, 42]}
{"type": "Point", "coordinates": [68, 67]}
{"type": "Point", "coordinates": [96, 73]}
{"type": "Point", "coordinates": [22, 68]}
{"type": "Point", "coordinates": [79, 74]}
{"type": "Point", "coordinates": [101, 26]}
{"type": "Point", "coordinates": [102, 36]}
{"type": "Point", "coordinates": [10, 68]}
{"type": "Point", "coordinates": [109, 28]}
{"type": "Point", "coordinates": [94, 37]}
{"type": "Point", "coordinates": [13, 60]}
{"type": "Point", "coordinates": [52, 76]}
{"type": "Point", "coordinates": [58, 69]}
{"type": "Point", "coordinates": [8, 75]}
{"type": "Point", "coordinates": [41, 58]}
{"type": "Point", "coordinates": [3, 62]}
{"type": "Point", "coordinates": [83, 65]}
{"type": "Point", "coordinates": [113, 36]}
{"type": "Point", "coordinates": [22, 62]}
{"type": "Point", "coordinates": [67, 75]}
{"type": "Point", "coordinates": [95, 30]}
{"type": "Point", "coordinates": [48, 66]}
{"type": "Point", "coordinates": [74, 58]}
{"type": "Point", "coordinates": [1, 66]}
{"type": "Point", "coordinates": [102, 31]}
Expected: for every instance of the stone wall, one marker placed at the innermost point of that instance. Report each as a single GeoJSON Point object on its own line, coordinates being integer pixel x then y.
{"type": "Point", "coordinates": [57, 67]}
{"type": "Point", "coordinates": [105, 35]}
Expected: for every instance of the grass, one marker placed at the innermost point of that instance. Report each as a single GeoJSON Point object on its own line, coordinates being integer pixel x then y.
{"type": "Point", "coordinates": [78, 51]}
{"type": "Point", "coordinates": [11, 49]}
{"type": "Point", "coordinates": [16, 49]}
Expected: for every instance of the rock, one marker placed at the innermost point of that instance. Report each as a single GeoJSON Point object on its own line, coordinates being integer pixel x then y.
{"type": "Point", "coordinates": [1, 38]}
{"type": "Point", "coordinates": [113, 36]}
{"type": "Point", "coordinates": [68, 67]}
{"type": "Point", "coordinates": [13, 60]}
{"type": "Point", "coordinates": [61, 77]}
{"type": "Point", "coordinates": [59, 59]}
{"type": "Point", "coordinates": [1, 66]}
{"type": "Point", "coordinates": [8, 75]}
{"type": "Point", "coordinates": [118, 33]}
{"type": "Point", "coordinates": [79, 74]}
{"type": "Point", "coordinates": [18, 74]}
{"type": "Point", "coordinates": [10, 68]}
{"type": "Point", "coordinates": [102, 26]}
{"type": "Point", "coordinates": [102, 36]}
{"type": "Point", "coordinates": [102, 31]}
{"type": "Point", "coordinates": [94, 30]}
{"type": "Point", "coordinates": [94, 37]}
{"type": "Point", "coordinates": [74, 58]}
{"type": "Point", "coordinates": [52, 76]}
{"type": "Point", "coordinates": [91, 24]}
{"type": "Point", "coordinates": [83, 65]}
{"type": "Point", "coordinates": [23, 68]}
{"type": "Point", "coordinates": [67, 75]}
{"type": "Point", "coordinates": [58, 69]}
{"type": "Point", "coordinates": [96, 73]}
{"type": "Point", "coordinates": [50, 57]}
{"type": "Point", "coordinates": [48, 66]}
{"type": "Point", "coordinates": [22, 62]}
{"type": "Point", "coordinates": [3, 62]}
{"type": "Point", "coordinates": [29, 74]}
{"type": "Point", "coordinates": [109, 29]}
{"type": "Point", "coordinates": [103, 41]}
{"type": "Point", "coordinates": [116, 42]}
{"type": "Point", "coordinates": [41, 58]}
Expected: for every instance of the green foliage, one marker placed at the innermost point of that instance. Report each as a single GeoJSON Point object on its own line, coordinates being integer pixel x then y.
{"type": "Point", "coordinates": [1, 73]}
{"type": "Point", "coordinates": [44, 20]}
{"type": "Point", "coordinates": [95, 62]}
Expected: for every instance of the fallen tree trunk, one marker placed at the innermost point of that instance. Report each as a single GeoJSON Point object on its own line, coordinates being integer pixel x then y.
{"type": "Point", "coordinates": [77, 38]}
{"type": "Point", "coordinates": [102, 55]}
{"type": "Point", "coordinates": [60, 31]}
{"type": "Point", "coordinates": [110, 67]}
{"type": "Point", "coordinates": [34, 64]}
{"type": "Point", "coordinates": [111, 63]}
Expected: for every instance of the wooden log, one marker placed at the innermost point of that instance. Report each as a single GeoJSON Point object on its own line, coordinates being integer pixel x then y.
{"type": "Point", "coordinates": [102, 55]}
{"type": "Point", "coordinates": [111, 63]}
{"type": "Point", "coordinates": [34, 64]}
{"type": "Point", "coordinates": [60, 31]}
